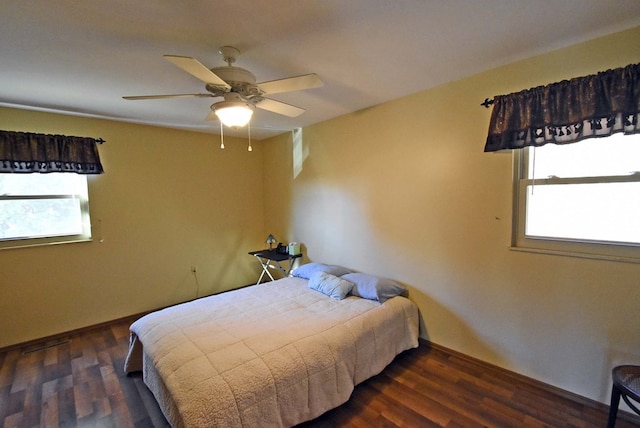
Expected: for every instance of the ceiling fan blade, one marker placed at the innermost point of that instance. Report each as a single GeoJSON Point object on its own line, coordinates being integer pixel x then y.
{"type": "Point", "coordinates": [155, 97]}
{"type": "Point", "coordinates": [197, 69]}
{"type": "Point", "coordinates": [280, 107]}
{"type": "Point", "coordinates": [289, 84]}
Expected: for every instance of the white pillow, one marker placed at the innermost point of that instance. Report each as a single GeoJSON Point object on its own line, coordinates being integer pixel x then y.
{"type": "Point", "coordinates": [330, 285]}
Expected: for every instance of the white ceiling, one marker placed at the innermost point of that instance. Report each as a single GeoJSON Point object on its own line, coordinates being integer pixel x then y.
{"type": "Point", "coordinates": [81, 57]}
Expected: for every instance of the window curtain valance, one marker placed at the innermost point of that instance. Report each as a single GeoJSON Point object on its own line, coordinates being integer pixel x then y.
{"type": "Point", "coordinates": [26, 152]}
{"type": "Point", "coordinates": [568, 111]}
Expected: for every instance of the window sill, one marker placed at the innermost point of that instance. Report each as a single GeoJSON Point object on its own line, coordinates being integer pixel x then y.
{"type": "Point", "coordinates": [12, 245]}
{"type": "Point", "coordinates": [605, 257]}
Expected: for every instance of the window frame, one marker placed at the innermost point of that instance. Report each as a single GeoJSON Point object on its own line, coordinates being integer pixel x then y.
{"type": "Point", "coordinates": [604, 250]}
{"type": "Point", "coordinates": [82, 195]}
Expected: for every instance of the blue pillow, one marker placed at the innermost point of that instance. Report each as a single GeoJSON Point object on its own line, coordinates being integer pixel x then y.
{"type": "Point", "coordinates": [330, 285]}
{"type": "Point", "coordinates": [305, 271]}
{"type": "Point", "coordinates": [373, 287]}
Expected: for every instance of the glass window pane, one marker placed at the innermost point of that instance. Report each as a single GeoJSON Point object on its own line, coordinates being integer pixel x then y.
{"type": "Point", "coordinates": [39, 209]}
{"type": "Point", "coordinates": [598, 212]}
{"type": "Point", "coordinates": [618, 154]}
{"type": "Point", "coordinates": [35, 218]}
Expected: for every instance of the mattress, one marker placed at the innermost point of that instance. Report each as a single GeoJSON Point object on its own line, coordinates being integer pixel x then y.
{"type": "Point", "coordinates": [269, 355]}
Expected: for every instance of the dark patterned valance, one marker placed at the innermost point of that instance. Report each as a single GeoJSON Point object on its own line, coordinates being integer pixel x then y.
{"type": "Point", "coordinates": [568, 111]}
{"type": "Point", "coordinates": [26, 152]}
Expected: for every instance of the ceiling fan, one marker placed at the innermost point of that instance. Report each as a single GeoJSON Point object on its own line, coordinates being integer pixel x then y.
{"type": "Point", "coordinates": [239, 89]}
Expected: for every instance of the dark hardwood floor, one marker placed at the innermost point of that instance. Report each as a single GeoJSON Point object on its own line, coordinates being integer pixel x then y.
{"type": "Point", "coordinates": [77, 380]}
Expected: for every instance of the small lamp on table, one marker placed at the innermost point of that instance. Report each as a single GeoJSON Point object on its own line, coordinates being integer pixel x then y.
{"type": "Point", "coordinates": [270, 240]}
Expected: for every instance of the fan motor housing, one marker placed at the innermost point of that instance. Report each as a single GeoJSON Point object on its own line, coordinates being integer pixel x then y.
{"type": "Point", "coordinates": [241, 80]}
{"type": "Point", "coordinates": [235, 75]}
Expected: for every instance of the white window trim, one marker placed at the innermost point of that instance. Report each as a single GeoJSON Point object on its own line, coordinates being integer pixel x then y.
{"type": "Point", "coordinates": [620, 252]}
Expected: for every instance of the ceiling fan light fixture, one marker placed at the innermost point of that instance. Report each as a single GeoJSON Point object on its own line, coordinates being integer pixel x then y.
{"type": "Point", "coordinates": [233, 113]}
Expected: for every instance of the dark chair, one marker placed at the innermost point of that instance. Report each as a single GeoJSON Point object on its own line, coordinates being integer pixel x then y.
{"type": "Point", "coordinates": [626, 383]}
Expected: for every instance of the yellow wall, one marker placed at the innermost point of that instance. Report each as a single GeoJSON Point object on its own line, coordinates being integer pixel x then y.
{"type": "Point", "coordinates": [168, 200]}
{"type": "Point", "coordinates": [404, 190]}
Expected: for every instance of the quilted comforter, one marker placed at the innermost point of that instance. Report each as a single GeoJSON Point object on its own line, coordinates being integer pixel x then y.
{"type": "Point", "coordinates": [274, 354]}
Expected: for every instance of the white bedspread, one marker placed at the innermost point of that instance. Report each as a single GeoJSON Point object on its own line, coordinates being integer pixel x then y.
{"type": "Point", "coordinates": [275, 354]}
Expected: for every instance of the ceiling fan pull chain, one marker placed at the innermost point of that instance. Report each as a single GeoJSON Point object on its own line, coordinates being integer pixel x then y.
{"type": "Point", "coordinates": [249, 128]}
{"type": "Point", "coordinates": [221, 137]}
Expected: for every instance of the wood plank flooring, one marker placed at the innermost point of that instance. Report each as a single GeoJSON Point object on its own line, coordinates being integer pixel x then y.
{"type": "Point", "coordinates": [78, 381]}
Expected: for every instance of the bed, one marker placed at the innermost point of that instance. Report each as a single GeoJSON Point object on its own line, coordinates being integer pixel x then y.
{"type": "Point", "coordinates": [274, 354]}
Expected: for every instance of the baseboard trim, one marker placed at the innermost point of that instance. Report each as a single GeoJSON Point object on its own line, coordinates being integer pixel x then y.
{"type": "Point", "coordinates": [576, 398]}
{"type": "Point", "coordinates": [29, 345]}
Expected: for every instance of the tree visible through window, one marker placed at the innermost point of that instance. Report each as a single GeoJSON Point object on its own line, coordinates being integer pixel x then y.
{"type": "Point", "coordinates": [43, 209]}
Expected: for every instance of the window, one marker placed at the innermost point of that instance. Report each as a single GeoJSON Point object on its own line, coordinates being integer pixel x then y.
{"type": "Point", "coordinates": [581, 198]}
{"type": "Point", "coordinates": [37, 209]}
